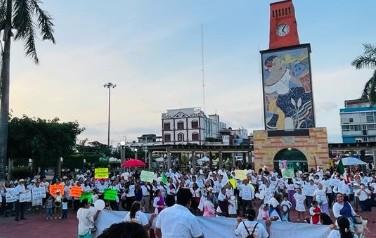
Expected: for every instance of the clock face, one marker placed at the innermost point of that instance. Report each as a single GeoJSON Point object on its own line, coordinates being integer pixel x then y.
{"type": "Point", "coordinates": [283, 29]}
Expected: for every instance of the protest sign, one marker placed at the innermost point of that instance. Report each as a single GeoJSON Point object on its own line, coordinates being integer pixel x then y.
{"type": "Point", "coordinates": [164, 179]}
{"type": "Point", "coordinates": [54, 188]}
{"type": "Point", "coordinates": [88, 196]}
{"type": "Point", "coordinates": [110, 194]}
{"type": "Point", "coordinates": [147, 176]}
{"type": "Point", "coordinates": [75, 191]}
{"type": "Point", "coordinates": [240, 174]}
{"type": "Point", "coordinates": [101, 173]}
{"type": "Point", "coordinates": [26, 196]}
{"type": "Point", "coordinates": [233, 182]}
{"type": "Point", "coordinates": [38, 193]}
{"type": "Point", "coordinates": [10, 195]}
{"type": "Point", "coordinates": [288, 173]}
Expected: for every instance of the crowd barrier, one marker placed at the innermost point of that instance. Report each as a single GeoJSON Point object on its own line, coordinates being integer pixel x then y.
{"type": "Point", "coordinates": [222, 227]}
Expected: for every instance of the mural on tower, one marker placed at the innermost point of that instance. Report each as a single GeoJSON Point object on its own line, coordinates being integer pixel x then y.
{"type": "Point", "coordinates": [288, 98]}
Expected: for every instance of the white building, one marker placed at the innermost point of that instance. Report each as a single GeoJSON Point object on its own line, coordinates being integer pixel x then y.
{"type": "Point", "coordinates": [189, 126]}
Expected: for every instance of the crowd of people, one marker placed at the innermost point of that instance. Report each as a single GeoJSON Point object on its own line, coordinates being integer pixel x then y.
{"type": "Point", "coordinates": [175, 197]}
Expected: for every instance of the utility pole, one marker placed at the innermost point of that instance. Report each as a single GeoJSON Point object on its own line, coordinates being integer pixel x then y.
{"type": "Point", "coordinates": [109, 86]}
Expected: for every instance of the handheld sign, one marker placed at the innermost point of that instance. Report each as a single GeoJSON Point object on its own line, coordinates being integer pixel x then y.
{"type": "Point", "coordinates": [240, 174]}
{"type": "Point", "coordinates": [147, 176]}
{"type": "Point", "coordinates": [75, 191]}
{"type": "Point", "coordinates": [38, 193]}
{"type": "Point", "coordinates": [55, 188]}
{"type": "Point", "coordinates": [288, 173]}
{"type": "Point", "coordinates": [110, 194]}
{"type": "Point", "coordinates": [25, 197]}
{"type": "Point", "coordinates": [88, 196]}
{"type": "Point", "coordinates": [10, 195]}
{"type": "Point", "coordinates": [101, 173]}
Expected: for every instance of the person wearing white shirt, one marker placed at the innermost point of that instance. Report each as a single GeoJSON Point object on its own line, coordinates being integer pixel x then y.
{"type": "Point", "coordinates": [321, 198]}
{"type": "Point", "coordinates": [343, 229]}
{"type": "Point", "coordinates": [177, 221]}
{"type": "Point", "coordinates": [250, 227]}
{"type": "Point", "coordinates": [20, 206]}
{"type": "Point", "coordinates": [136, 215]}
{"type": "Point", "coordinates": [364, 195]}
{"type": "Point", "coordinates": [342, 207]}
{"type": "Point", "coordinates": [247, 193]}
{"type": "Point", "coordinates": [86, 216]}
{"type": "Point", "coordinates": [308, 191]}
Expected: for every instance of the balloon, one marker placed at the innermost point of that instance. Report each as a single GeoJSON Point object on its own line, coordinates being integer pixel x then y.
{"type": "Point", "coordinates": [99, 204]}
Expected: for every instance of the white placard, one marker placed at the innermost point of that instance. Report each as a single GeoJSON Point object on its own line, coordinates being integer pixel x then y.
{"type": "Point", "coordinates": [26, 196]}
{"type": "Point", "coordinates": [10, 195]}
{"type": "Point", "coordinates": [38, 193]}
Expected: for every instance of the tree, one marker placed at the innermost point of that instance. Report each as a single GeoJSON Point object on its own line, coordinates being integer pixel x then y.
{"type": "Point", "coordinates": [368, 60]}
{"type": "Point", "coordinates": [45, 141]}
{"type": "Point", "coordinates": [25, 17]}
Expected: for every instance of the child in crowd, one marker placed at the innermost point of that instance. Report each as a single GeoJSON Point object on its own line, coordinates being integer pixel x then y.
{"type": "Point", "coordinates": [64, 207]}
{"type": "Point", "coordinates": [299, 203]}
{"type": "Point", "coordinates": [49, 204]}
{"type": "Point", "coordinates": [286, 206]}
{"type": "Point", "coordinates": [315, 212]}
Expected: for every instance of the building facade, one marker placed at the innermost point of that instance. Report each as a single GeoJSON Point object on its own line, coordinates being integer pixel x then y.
{"type": "Point", "coordinates": [189, 126]}
{"type": "Point", "coordinates": [358, 121]}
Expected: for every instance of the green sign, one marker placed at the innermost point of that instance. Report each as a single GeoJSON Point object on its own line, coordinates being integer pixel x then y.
{"type": "Point", "coordinates": [88, 196]}
{"type": "Point", "coordinates": [110, 194]}
{"type": "Point", "coordinates": [147, 176]}
{"type": "Point", "coordinates": [288, 173]}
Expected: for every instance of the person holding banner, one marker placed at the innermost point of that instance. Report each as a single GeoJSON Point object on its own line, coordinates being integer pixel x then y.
{"type": "Point", "coordinates": [86, 220]}
{"type": "Point", "coordinates": [20, 206]}
{"type": "Point", "coordinates": [250, 228]}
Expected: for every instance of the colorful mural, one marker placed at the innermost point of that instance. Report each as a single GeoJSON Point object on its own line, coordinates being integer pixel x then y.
{"type": "Point", "coordinates": [288, 100]}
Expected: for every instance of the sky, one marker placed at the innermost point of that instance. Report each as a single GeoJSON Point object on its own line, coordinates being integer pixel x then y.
{"type": "Point", "coordinates": [151, 49]}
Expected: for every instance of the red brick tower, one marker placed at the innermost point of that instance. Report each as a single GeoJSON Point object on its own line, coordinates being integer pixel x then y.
{"type": "Point", "coordinates": [283, 26]}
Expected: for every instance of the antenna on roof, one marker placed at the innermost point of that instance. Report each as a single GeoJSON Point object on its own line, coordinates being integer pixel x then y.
{"type": "Point", "coordinates": [203, 67]}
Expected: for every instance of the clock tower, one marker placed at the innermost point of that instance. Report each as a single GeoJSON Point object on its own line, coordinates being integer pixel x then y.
{"type": "Point", "coordinates": [283, 27]}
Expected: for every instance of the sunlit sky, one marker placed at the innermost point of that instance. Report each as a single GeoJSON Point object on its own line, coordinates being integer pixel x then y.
{"type": "Point", "coordinates": [152, 50]}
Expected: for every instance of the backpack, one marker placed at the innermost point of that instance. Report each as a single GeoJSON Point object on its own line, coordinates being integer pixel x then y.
{"type": "Point", "coordinates": [250, 235]}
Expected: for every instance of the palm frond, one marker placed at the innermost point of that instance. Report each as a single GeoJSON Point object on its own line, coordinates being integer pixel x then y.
{"type": "Point", "coordinates": [369, 91]}
{"type": "Point", "coordinates": [368, 59]}
{"type": "Point", "coordinates": [22, 19]}
{"type": "Point", "coordinates": [30, 45]}
{"type": "Point", "coordinates": [44, 21]}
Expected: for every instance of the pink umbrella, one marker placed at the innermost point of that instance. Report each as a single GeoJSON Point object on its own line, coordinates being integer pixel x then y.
{"type": "Point", "coordinates": [133, 163]}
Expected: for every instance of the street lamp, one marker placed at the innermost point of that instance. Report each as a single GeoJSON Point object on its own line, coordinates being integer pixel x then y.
{"type": "Point", "coordinates": [61, 160]}
{"type": "Point", "coordinates": [135, 153]}
{"type": "Point", "coordinates": [109, 86]}
{"type": "Point", "coordinates": [122, 150]}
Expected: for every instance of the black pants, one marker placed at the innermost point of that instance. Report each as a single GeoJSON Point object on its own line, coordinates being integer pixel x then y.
{"type": "Point", "coordinates": [129, 202]}
{"type": "Point", "coordinates": [330, 199]}
{"type": "Point", "coordinates": [245, 205]}
{"type": "Point", "coordinates": [308, 201]}
{"type": "Point", "coordinates": [20, 210]}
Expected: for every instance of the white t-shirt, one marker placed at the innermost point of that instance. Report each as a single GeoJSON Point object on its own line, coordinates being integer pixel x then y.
{"type": "Point", "coordinates": [247, 192]}
{"type": "Point", "coordinates": [85, 221]}
{"type": "Point", "coordinates": [178, 222]}
{"type": "Point", "coordinates": [260, 231]}
{"type": "Point", "coordinates": [320, 196]}
{"type": "Point", "coordinates": [140, 218]}
{"type": "Point", "coordinates": [337, 209]}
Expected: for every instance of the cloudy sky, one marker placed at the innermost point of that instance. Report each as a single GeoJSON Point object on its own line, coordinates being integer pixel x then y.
{"type": "Point", "coordinates": [151, 50]}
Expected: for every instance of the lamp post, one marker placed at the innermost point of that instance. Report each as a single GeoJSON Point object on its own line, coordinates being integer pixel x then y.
{"type": "Point", "coordinates": [109, 86]}
{"type": "Point", "coordinates": [31, 164]}
{"type": "Point", "coordinates": [122, 151]}
{"type": "Point", "coordinates": [135, 154]}
{"type": "Point", "coordinates": [83, 164]}
{"type": "Point", "coordinates": [60, 162]}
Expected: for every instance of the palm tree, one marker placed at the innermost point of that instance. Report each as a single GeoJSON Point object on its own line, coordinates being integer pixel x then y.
{"type": "Point", "coordinates": [19, 19]}
{"type": "Point", "coordinates": [368, 60]}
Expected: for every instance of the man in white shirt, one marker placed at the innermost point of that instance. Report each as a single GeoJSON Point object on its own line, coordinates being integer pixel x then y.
{"type": "Point", "coordinates": [247, 193]}
{"type": "Point", "coordinates": [20, 206]}
{"type": "Point", "coordinates": [177, 221]}
{"type": "Point", "coordinates": [308, 191]}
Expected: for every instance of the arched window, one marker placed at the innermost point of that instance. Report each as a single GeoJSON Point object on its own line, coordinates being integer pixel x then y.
{"type": "Point", "coordinates": [180, 137]}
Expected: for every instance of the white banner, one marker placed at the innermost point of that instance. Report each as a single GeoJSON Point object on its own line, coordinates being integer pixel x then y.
{"type": "Point", "coordinates": [38, 193]}
{"type": "Point", "coordinates": [222, 227]}
{"type": "Point", "coordinates": [10, 195]}
{"type": "Point", "coordinates": [26, 196]}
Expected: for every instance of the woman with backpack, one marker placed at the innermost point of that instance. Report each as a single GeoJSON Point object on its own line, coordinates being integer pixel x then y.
{"type": "Point", "coordinates": [249, 228]}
